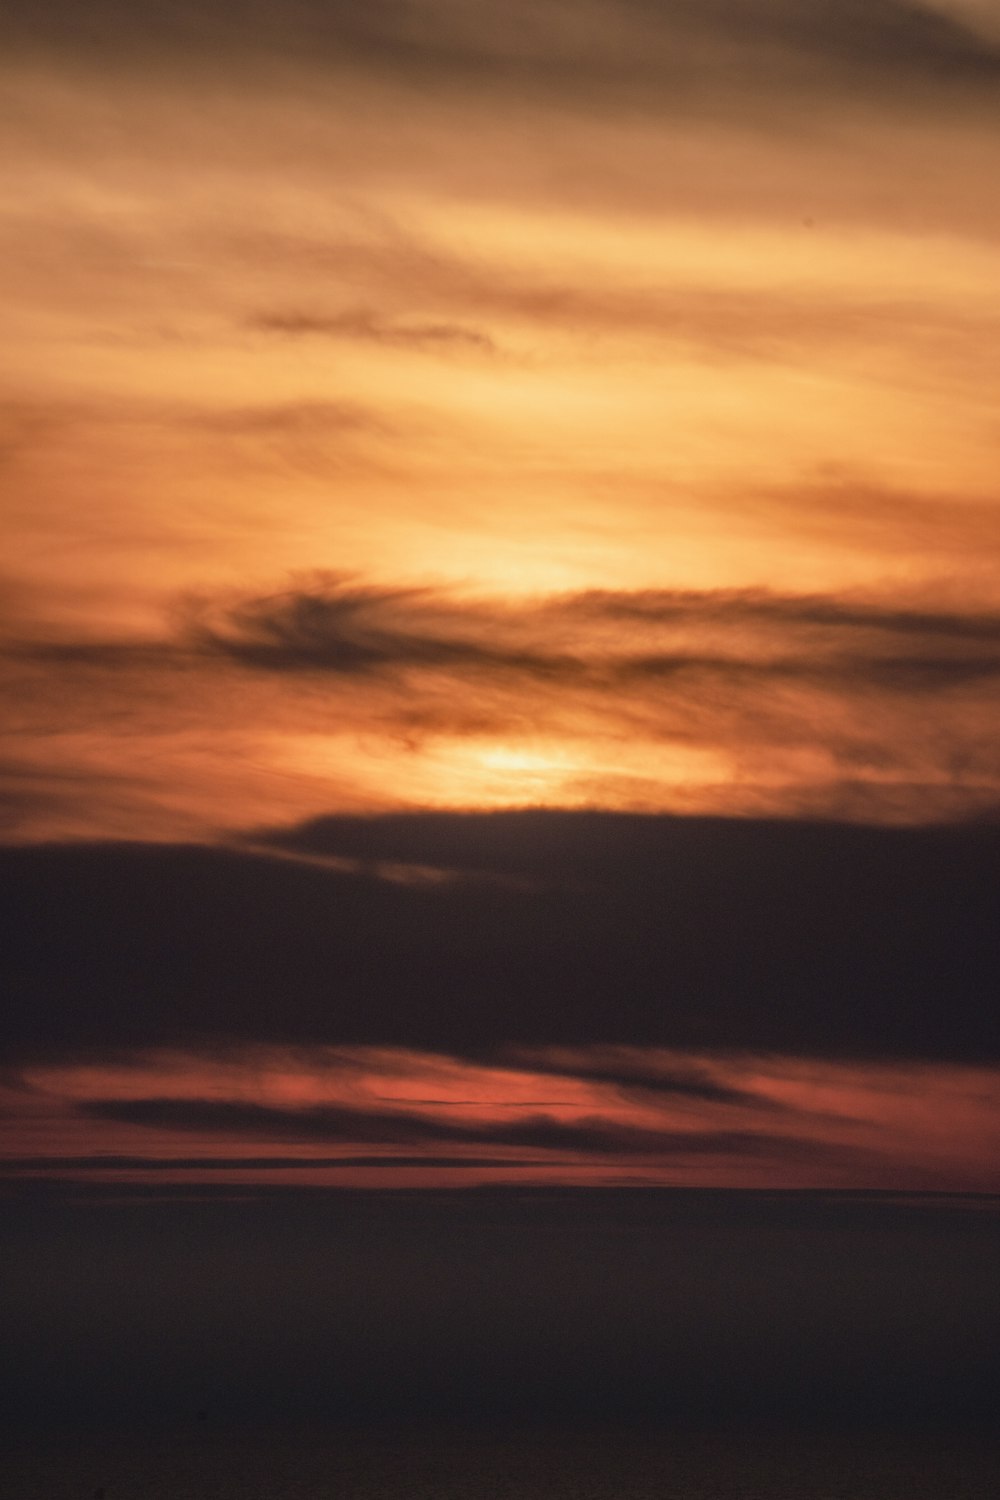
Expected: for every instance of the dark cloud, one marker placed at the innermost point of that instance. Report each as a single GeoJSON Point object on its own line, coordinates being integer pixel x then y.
{"type": "Point", "coordinates": [352, 628]}
{"type": "Point", "coordinates": [342, 626]}
{"type": "Point", "coordinates": [693, 933]}
{"type": "Point", "coordinates": [107, 1162]}
{"type": "Point", "coordinates": [329, 1123]}
{"type": "Point", "coordinates": [899, 674]}
{"type": "Point", "coordinates": [746, 673]}
{"type": "Point", "coordinates": [666, 53]}
{"type": "Point", "coordinates": [365, 325]}
{"type": "Point", "coordinates": [904, 37]}
{"type": "Point", "coordinates": [589, 1134]}
{"type": "Point", "coordinates": [736, 606]}
{"type": "Point", "coordinates": [650, 1080]}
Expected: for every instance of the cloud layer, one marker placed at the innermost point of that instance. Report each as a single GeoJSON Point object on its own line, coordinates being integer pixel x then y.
{"type": "Point", "coordinates": [693, 933]}
{"type": "Point", "coordinates": [342, 1115]}
{"type": "Point", "coordinates": [605, 51]}
{"type": "Point", "coordinates": [728, 700]}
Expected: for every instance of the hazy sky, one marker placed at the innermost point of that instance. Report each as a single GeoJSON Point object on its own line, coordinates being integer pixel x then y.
{"type": "Point", "coordinates": [421, 409]}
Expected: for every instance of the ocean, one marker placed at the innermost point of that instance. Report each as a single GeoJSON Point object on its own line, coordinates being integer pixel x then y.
{"type": "Point", "coordinates": [499, 1345]}
{"type": "Point", "coordinates": [193, 1465]}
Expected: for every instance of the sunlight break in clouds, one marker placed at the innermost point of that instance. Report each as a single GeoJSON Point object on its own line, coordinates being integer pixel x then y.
{"type": "Point", "coordinates": [337, 694]}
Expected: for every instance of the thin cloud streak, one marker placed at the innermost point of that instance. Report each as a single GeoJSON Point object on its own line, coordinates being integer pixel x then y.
{"type": "Point", "coordinates": [365, 325]}
{"type": "Point", "coordinates": [706, 1117]}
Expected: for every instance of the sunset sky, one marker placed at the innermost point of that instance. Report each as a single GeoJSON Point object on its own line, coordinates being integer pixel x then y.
{"type": "Point", "coordinates": [501, 609]}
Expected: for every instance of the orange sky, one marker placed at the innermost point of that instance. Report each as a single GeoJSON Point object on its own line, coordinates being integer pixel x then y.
{"type": "Point", "coordinates": [277, 315]}
{"type": "Point", "coordinates": [438, 407]}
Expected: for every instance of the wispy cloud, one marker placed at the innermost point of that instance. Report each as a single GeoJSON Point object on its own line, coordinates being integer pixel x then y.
{"type": "Point", "coordinates": [365, 325]}
{"type": "Point", "coordinates": [625, 48]}
{"type": "Point", "coordinates": [317, 1109]}
{"type": "Point", "coordinates": [856, 704]}
{"type": "Point", "coordinates": [608, 639]}
{"type": "Point", "coordinates": [532, 1132]}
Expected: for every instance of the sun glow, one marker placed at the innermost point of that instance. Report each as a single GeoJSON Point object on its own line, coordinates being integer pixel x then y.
{"type": "Point", "coordinates": [448, 771]}
{"type": "Point", "coordinates": [514, 759]}
{"type": "Point", "coordinates": [510, 775]}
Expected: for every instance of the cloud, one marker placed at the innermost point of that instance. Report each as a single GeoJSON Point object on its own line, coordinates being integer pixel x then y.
{"type": "Point", "coordinates": [661, 52]}
{"type": "Point", "coordinates": [978, 16]}
{"type": "Point", "coordinates": [367, 326]}
{"type": "Point", "coordinates": [354, 629]}
{"type": "Point", "coordinates": [565, 1109]}
{"type": "Point", "coordinates": [692, 933]}
{"type": "Point", "coordinates": [326, 1123]}
{"type": "Point", "coordinates": [732, 700]}
{"type": "Point", "coordinates": [342, 626]}
{"type": "Point", "coordinates": [632, 1075]}
{"type": "Point", "coordinates": [916, 342]}
{"type": "Point", "coordinates": [589, 1134]}
{"type": "Point", "coordinates": [155, 1165]}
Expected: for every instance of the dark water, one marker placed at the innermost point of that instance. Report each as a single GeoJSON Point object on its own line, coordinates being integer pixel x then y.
{"type": "Point", "coordinates": [688, 1346]}
{"type": "Point", "coordinates": [189, 1465]}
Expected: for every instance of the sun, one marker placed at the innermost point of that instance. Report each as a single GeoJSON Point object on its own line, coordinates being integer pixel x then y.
{"type": "Point", "coordinates": [516, 759]}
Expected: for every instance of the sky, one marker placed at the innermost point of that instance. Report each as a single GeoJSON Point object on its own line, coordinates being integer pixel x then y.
{"type": "Point", "coordinates": [501, 622]}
